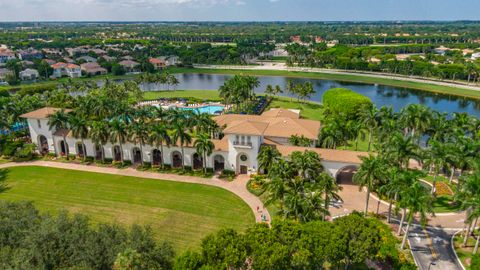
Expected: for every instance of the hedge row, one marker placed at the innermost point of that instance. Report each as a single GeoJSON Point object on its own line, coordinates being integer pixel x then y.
{"type": "Point", "coordinates": [342, 100]}
{"type": "Point", "coordinates": [28, 89]}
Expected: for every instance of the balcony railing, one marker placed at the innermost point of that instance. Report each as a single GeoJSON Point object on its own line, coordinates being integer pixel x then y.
{"type": "Point", "coordinates": [243, 144]}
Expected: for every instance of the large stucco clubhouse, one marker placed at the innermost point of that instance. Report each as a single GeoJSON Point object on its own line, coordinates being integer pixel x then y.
{"type": "Point", "coordinates": [237, 150]}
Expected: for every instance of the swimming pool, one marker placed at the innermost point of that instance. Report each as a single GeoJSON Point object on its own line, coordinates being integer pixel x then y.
{"type": "Point", "coordinates": [210, 109]}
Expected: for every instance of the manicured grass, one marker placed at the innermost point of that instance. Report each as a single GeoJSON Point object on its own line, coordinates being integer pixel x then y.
{"type": "Point", "coordinates": [444, 204]}
{"type": "Point", "coordinates": [308, 110]}
{"type": "Point", "coordinates": [457, 91]}
{"type": "Point", "coordinates": [181, 213]}
{"type": "Point", "coordinates": [464, 253]}
{"type": "Point", "coordinates": [211, 95]}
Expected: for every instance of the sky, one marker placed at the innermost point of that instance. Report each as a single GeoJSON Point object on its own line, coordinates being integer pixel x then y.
{"type": "Point", "coordinates": [238, 10]}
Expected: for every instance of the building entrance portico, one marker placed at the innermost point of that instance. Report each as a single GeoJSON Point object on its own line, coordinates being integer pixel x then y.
{"type": "Point", "coordinates": [243, 161]}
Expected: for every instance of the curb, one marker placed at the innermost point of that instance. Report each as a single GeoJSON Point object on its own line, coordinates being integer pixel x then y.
{"type": "Point", "coordinates": [454, 251]}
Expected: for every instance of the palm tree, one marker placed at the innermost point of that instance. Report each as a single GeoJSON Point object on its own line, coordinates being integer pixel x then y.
{"type": "Point", "coordinates": [469, 198]}
{"type": "Point", "coordinates": [59, 121]}
{"type": "Point", "coordinates": [368, 116]}
{"type": "Point", "coordinates": [180, 134]}
{"type": "Point", "coordinates": [416, 119]}
{"type": "Point", "coordinates": [138, 133]}
{"type": "Point", "coordinates": [436, 159]}
{"type": "Point", "coordinates": [99, 133]}
{"type": "Point", "coordinates": [79, 127]}
{"type": "Point", "coordinates": [118, 133]}
{"type": "Point", "coordinates": [159, 136]}
{"type": "Point", "coordinates": [418, 200]}
{"type": "Point", "coordinates": [267, 156]}
{"type": "Point", "coordinates": [330, 188]}
{"type": "Point", "coordinates": [204, 146]}
{"type": "Point", "coordinates": [370, 173]}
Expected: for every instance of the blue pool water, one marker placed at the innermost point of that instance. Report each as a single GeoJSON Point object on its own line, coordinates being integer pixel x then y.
{"type": "Point", "coordinates": [210, 109]}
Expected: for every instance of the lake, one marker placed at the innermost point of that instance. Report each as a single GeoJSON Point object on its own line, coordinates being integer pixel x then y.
{"type": "Point", "coordinates": [381, 95]}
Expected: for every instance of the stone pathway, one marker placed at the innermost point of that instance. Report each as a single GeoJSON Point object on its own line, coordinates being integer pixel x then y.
{"type": "Point", "coordinates": [237, 187]}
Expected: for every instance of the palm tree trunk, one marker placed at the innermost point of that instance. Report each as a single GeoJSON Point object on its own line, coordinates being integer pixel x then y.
{"type": "Point", "coordinates": [141, 154]}
{"type": "Point", "coordinates": [367, 199]}
{"type": "Point", "coordinates": [205, 162]}
{"type": "Point", "coordinates": [434, 182]}
{"type": "Point", "coordinates": [404, 241]}
{"type": "Point", "coordinates": [121, 153]}
{"type": "Point", "coordinates": [84, 150]}
{"type": "Point", "coordinates": [161, 155]}
{"type": "Point", "coordinates": [326, 206]}
{"type": "Point", "coordinates": [401, 221]}
{"type": "Point", "coordinates": [369, 140]}
{"type": "Point", "coordinates": [467, 234]}
{"type": "Point", "coordinates": [66, 146]}
{"type": "Point", "coordinates": [476, 245]}
{"type": "Point", "coordinates": [183, 157]}
{"type": "Point", "coordinates": [451, 174]}
{"type": "Point", "coordinates": [389, 211]}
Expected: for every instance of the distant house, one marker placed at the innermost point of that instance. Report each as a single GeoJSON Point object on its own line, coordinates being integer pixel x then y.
{"type": "Point", "coordinates": [29, 74]}
{"type": "Point", "coordinates": [173, 60]}
{"type": "Point", "coordinates": [98, 52]}
{"type": "Point", "coordinates": [29, 54]}
{"type": "Point", "coordinates": [476, 56]}
{"type": "Point", "coordinates": [296, 39]}
{"type": "Point", "coordinates": [87, 59]}
{"type": "Point", "coordinates": [61, 69]}
{"type": "Point", "coordinates": [4, 73]}
{"type": "Point", "coordinates": [78, 51]}
{"type": "Point", "coordinates": [68, 60]}
{"type": "Point", "coordinates": [6, 55]}
{"type": "Point", "coordinates": [108, 58]}
{"type": "Point", "coordinates": [441, 50]}
{"type": "Point", "coordinates": [93, 69]}
{"type": "Point", "coordinates": [129, 66]}
{"type": "Point", "coordinates": [50, 61]}
{"type": "Point", "coordinates": [157, 63]}
{"type": "Point", "coordinates": [52, 52]}
{"type": "Point", "coordinates": [26, 63]}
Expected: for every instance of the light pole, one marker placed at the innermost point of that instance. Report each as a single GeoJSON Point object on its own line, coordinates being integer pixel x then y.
{"type": "Point", "coordinates": [430, 265]}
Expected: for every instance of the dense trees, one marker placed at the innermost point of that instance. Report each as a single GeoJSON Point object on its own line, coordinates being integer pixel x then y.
{"type": "Point", "coordinates": [30, 240]}
{"type": "Point", "coordinates": [347, 242]}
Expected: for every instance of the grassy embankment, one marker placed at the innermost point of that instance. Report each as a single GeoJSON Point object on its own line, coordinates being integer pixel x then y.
{"type": "Point", "coordinates": [181, 213]}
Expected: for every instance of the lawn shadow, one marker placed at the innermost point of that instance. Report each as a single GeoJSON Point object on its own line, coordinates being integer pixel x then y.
{"type": "Point", "coordinates": [3, 179]}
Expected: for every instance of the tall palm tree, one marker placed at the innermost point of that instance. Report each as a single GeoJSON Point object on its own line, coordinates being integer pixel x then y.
{"type": "Point", "coordinates": [204, 146]}
{"type": "Point", "coordinates": [416, 119]}
{"type": "Point", "coordinates": [370, 174]}
{"type": "Point", "coordinates": [418, 200]}
{"type": "Point", "coordinates": [138, 133]}
{"type": "Point", "coordinates": [436, 159]}
{"type": "Point", "coordinates": [118, 134]}
{"type": "Point", "coordinates": [368, 118]}
{"type": "Point", "coordinates": [181, 135]}
{"type": "Point", "coordinates": [79, 127]}
{"type": "Point", "coordinates": [469, 198]}
{"type": "Point", "coordinates": [330, 188]}
{"type": "Point", "coordinates": [59, 121]}
{"type": "Point", "coordinates": [267, 156]}
{"type": "Point", "coordinates": [159, 136]}
{"type": "Point", "coordinates": [99, 134]}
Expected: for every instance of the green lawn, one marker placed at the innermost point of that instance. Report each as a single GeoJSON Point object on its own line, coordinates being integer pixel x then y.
{"type": "Point", "coordinates": [464, 253]}
{"type": "Point", "coordinates": [308, 110]}
{"type": "Point", "coordinates": [211, 95]}
{"type": "Point", "coordinates": [181, 213]}
{"type": "Point", "coordinates": [457, 91]}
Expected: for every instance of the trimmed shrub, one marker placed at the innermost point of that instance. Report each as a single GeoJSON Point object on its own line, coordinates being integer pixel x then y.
{"type": "Point", "coordinates": [346, 101]}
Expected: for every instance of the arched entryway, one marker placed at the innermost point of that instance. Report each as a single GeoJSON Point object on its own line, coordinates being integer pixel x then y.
{"type": "Point", "coordinates": [137, 155]}
{"type": "Point", "coordinates": [242, 163]}
{"type": "Point", "coordinates": [176, 159]}
{"type": "Point", "coordinates": [156, 157]}
{"type": "Point", "coordinates": [43, 145]}
{"type": "Point", "coordinates": [344, 175]}
{"type": "Point", "coordinates": [99, 153]}
{"type": "Point", "coordinates": [117, 153]}
{"type": "Point", "coordinates": [63, 148]}
{"type": "Point", "coordinates": [80, 149]}
{"type": "Point", "coordinates": [197, 161]}
{"type": "Point", "coordinates": [218, 163]}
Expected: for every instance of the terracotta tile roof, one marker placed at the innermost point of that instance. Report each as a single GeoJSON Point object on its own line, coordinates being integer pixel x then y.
{"type": "Point", "coordinates": [326, 154]}
{"type": "Point", "coordinates": [221, 145]}
{"type": "Point", "coordinates": [281, 113]}
{"type": "Point", "coordinates": [246, 127]}
{"type": "Point", "coordinates": [128, 63]}
{"type": "Point", "coordinates": [276, 126]}
{"type": "Point", "coordinates": [59, 65]}
{"type": "Point", "coordinates": [156, 61]}
{"type": "Point", "coordinates": [42, 113]}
